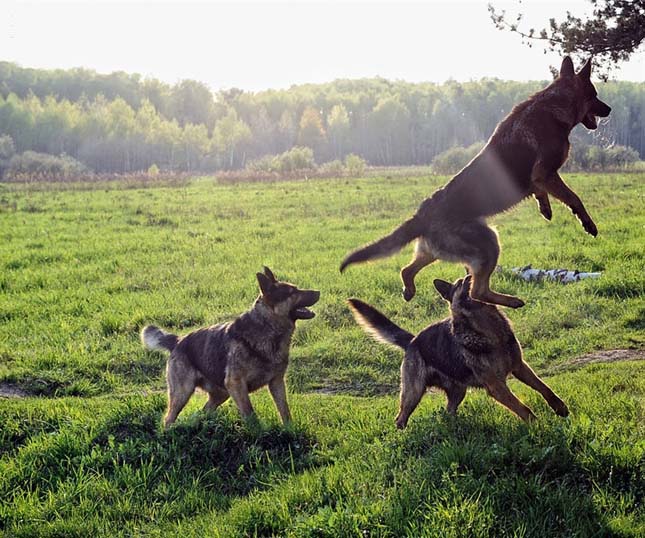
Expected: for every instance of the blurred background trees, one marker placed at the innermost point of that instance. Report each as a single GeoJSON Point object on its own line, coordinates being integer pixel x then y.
{"type": "Point", "coordinates": [121, 123]}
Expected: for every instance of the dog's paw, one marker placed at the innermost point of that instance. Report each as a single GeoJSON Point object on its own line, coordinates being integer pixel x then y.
{"type": "Point", "coordinates": [590, 227]}
{"type": "Point", "coordinates": [561, 409]}
{"type": "Point", "coordinates": [516, 302]}
{"type": "Point", "coordinates": [546, 212]}
{"type": "Point", "coordinates": [408, 293]}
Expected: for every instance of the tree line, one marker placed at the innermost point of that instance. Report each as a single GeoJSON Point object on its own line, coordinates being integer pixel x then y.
{"type": "Point", "coordinates": [121, 123]}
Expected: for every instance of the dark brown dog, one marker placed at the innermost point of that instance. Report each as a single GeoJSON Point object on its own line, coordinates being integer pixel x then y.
{"type": "Point", "coordinates": [238, 357]}
{"type": "Point", "coordinates": [475, 347]}
{"type": "Point", "coordinates": [521, 158]}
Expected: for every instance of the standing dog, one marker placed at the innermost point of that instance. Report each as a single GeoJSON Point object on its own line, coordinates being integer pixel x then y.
{"type": "Point", "coordinates": [238, 357]}
{"type": "Point", "coordinates": [521, 158]}
{"type": "Point", "coordinates": [475, 347]}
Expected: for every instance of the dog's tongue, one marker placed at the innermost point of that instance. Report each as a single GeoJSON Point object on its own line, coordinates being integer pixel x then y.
{"type": "Point", "coordinates": [591, 121]}
{"type": "Point", "coordinates": [303, 313]}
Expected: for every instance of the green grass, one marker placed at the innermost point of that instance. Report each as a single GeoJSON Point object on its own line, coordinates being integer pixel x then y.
{"type": "Point", "coordinates": [83, 269]}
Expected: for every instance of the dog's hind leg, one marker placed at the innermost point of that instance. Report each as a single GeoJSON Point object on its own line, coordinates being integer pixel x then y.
{"type": "Point", "coordinates": [422, 257]}
{"type": "Point", "coordinates": [482, 261]}
{"type": "Point", "coordinates": [413, 387]}
{"type": "Point", "coordinates": [526, 375]}
{"type": "Point", "coordinates": [181, 385]}
{"type": "Point", "coordinates": [544, 205]}
{"type": "Point", "coordinates": [215, 398]}
{"type": "Point", "coordinates": [500, 391]}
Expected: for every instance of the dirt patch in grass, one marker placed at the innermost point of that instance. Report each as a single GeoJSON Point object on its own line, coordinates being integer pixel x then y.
{"type": "Point", "coordinates": [608, 355]}
{"type": "Point", "coordinates": [7, 390]}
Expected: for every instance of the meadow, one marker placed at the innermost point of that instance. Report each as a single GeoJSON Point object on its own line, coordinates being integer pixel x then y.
{"type": "Point", "coordinates": [85, 266]}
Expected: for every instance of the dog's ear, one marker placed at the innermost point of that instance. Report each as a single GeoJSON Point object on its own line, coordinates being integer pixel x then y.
{"type": "Point", "coordinates": [566, 69]}
{"type": "Point", "coordinates": [269, 273]}
{"type": "Point", "coordinates": [265, 283]}
{"type": "Point", "coordinates": [444, 288]}
{"type": "Point", "coordinates": [466, 268]}
{"type": "Point", "coordinates": [468, 279]}
{"type": "Point", "coordinates": [585, 72]}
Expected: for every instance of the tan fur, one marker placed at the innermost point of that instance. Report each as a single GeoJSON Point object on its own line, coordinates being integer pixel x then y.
{"type": "Point", "coordinates": [236, 358]}
{"type": "Point", "coordinates": [521, 159]}
{"type": "Point", "coordinates": [475, 347]}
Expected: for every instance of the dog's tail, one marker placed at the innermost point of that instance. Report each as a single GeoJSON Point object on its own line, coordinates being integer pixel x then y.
{"type": "Point", "coordinates": [154, 338]}
{"type": "Point", "coordinates": [378, 326]}
{"type": "Point", "coordinates": [388, 245]}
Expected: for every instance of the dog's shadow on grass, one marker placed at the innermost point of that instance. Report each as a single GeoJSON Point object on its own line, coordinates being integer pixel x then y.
{"type": "Point", "coordinates": [214, 452]}
{"type": "Point", "coordinates": [538, 476]}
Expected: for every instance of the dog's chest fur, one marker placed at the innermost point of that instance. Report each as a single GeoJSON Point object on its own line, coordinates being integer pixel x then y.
{"type": "Point", "coordinates": [485, 340]}
{"type": "Point", "coordinates": [253, 347]}
{"type": "Point", "coordinates": [462, 348]}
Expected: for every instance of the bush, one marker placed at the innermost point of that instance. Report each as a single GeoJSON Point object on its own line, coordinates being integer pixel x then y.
{"type": "Point", "coordinates": [297, 158]}
{"type": "Point", "coordinates": [268, 163]}
{"type": "Point", "coordinates": [586, 157]}
{"type": "Point", "coordinates": [454, 159]}
{"type": "Point", "coordinates": [33, 165]}
{"type": "Point", "coordinates": [355, 165]}
{"type": "Point", "coordinates": [7, 150]}
{"type": "Point", "coordinates": [153, 171]}
{"type": "Point", "coordinates": [332, 168]}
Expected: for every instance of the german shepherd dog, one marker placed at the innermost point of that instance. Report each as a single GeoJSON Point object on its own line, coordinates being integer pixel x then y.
{"type": "Point", "coordinates": [237, 357]}
{"type": "Point", "coordinates": [474, 347]}
{"type": "Point", "coordinates": [521, 158]}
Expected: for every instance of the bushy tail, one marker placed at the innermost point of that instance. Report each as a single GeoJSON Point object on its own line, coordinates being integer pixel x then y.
{"type": "Point", "coordinates": [154, 338]}
{"type": "Point", "coordinates": [378, 326]}
{"type": "Point", "coordinates": [388, 245]}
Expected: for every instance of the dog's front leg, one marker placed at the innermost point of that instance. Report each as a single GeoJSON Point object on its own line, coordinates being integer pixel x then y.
{"type": "Point", "coordinates": [500, 391]}
{"type": "Point", "coordinates": [239, 391]}
{"type": "Point", "coordinates": [553, 184]}
{"type": "Point", "coordinates": [279, 393]}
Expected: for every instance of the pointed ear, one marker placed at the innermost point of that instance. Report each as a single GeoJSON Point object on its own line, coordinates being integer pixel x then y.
{"type": "Point", "coordinates": [264, 282]}
{"type": "Point", "coordinates": [444, 288]}
{"type": "Point", "coordinates": [268, 273]}
{"type": "Point", "coordinates": [466, 284]}
{"type": "Point", "coordinates": [468, 280]}
{"type": "Point", "coordinates": [585, 72]}
{"type": "Point", "coordinates": [566, 69]}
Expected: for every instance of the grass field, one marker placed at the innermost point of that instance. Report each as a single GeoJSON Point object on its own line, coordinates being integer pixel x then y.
{"type": "Point", "coordinates": [85, 267]}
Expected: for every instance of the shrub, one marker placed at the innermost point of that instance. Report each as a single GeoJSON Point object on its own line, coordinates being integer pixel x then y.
{"type": "Point", "coordinates": [33, 165]}
{"type": "Point", "coordinates": [268, 163]}
{"type": "Point", "coordinates": [586, 157]}
{"type": "Point", "coordinates": [7, 150]}
{"type": "Point", "coordinates": [454, 159]}
{"type": "Point", "coordinates": [153, 171]}
{"type": "Point", "coordinates": [297, 158]}
{"type": "Point", "coordinates": [355, 165]}
{"type": "Point", "coordinates": [332, 168]}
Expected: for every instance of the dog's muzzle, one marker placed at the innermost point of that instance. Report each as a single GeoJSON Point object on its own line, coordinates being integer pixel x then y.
{"type": "Point", "coordinates": [307, 298]}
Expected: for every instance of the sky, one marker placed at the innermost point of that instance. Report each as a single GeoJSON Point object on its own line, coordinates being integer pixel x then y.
{"type": "Point", "coordinates": [260, 45]}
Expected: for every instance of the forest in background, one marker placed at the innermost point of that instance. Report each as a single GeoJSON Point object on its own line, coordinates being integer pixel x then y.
{"type": "Point", "coordinates": [124, 123]}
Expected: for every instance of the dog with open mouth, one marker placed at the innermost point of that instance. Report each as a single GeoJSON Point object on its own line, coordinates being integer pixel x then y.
{"type": "Point", "coordinates": [522, 158]}
{"type": "Point", "coordinates": [237, 357]}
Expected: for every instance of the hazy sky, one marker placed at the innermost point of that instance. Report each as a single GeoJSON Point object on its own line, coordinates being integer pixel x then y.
{"type": "Point", "coordinates": [259, 45]}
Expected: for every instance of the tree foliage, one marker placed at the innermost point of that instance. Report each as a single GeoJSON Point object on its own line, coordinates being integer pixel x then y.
{"type": "Point", "coordinates": [384, 122]}
{"type": "Point", "coordinates": [611, 34]}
